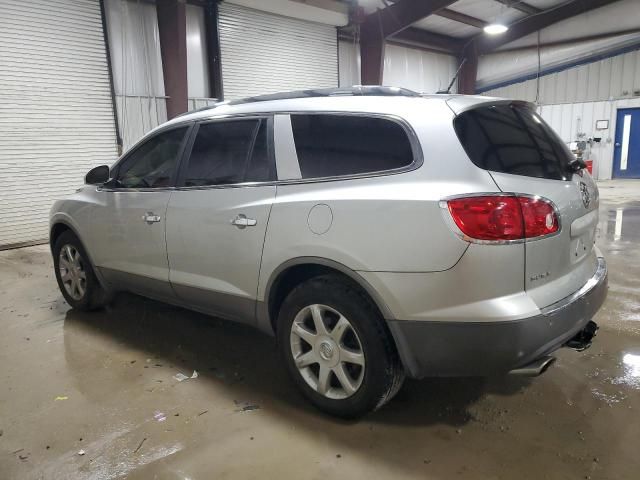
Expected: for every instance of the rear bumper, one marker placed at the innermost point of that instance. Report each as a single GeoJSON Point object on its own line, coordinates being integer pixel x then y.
{"type": "Point", "coordinates": [482, 348]}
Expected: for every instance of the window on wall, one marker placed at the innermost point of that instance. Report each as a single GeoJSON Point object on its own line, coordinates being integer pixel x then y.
{"type": "Point", "coordinates": [339, 145]}
{"type": "Point", "coordinates": [229, 152]}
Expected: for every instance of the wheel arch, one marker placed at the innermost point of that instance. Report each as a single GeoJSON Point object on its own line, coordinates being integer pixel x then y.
{"type": "Point", "coordinates": [61, 225]}
{"type": "Point", "coordinates": [294, 271]}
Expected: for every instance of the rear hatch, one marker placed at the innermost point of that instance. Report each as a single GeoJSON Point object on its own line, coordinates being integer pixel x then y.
{"type": "Point", "coordinates": [525, 156]}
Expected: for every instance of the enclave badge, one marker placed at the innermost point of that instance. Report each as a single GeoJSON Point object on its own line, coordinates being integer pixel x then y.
{"type": "Point", "coordinates": [586, 196]}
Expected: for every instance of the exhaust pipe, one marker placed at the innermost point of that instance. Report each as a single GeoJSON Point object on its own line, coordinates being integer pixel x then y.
{"type": "Point", "coordinates": [535, 368]}
{"type": "Point", "coordinates": [584, 337]}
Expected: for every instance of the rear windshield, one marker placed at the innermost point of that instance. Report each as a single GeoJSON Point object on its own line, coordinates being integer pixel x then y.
{"type": "Point", "coordinates": [513, 139]}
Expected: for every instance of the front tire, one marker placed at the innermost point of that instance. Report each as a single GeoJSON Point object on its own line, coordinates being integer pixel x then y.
{"type": "Point", "coordinates": [74, 273]}
{"type": "Point", "coordinates": [336, 347]}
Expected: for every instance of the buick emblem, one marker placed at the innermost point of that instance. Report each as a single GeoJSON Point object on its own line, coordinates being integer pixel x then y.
{"type": "Point", "coordinates": [586, 196]}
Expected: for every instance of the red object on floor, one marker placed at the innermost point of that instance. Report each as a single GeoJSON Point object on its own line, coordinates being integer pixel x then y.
{"type": "Point", "coordinates": [589, 166]}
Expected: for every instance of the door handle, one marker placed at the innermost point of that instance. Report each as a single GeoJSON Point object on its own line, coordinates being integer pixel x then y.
{"type": "Point", "coordinates": [241, 221]}
{"type": "Point", "coordinates": [150, 218]}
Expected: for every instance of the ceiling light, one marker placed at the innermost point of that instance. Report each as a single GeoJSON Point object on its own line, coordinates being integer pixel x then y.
{"type": "Point", "coordinates": [495, 29]}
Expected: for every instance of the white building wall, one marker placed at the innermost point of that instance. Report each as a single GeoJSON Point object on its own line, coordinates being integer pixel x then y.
{"type": "Point", "coordinates": [411, 68]}
{"type": "Point", "coordinates": [611, 78]}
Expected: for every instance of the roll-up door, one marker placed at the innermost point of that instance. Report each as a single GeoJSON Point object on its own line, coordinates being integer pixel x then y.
{"type": "Point", "coordinates": [265, 53]}
{"type": "Point", "coordinates": [56, 115]}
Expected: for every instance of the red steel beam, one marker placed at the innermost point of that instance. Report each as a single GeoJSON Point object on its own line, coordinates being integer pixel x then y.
{"type": "Point", "coordinates": [384, 23]}
{"type": "Point", "coordinates": [172, 29]}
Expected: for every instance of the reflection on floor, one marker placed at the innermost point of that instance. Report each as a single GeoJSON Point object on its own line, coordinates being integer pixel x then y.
{"type": "Point", "coordinates": [94, 395]}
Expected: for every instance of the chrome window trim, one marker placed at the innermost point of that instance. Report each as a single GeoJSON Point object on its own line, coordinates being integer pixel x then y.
{"type": "Point", "coordinates": [418, 158]}
{"type": "Point", "coordinates": [452, 224]}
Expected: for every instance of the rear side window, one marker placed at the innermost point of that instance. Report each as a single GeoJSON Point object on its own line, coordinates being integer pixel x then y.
{"type": "Point", "coordinates": [229, 152]}
{"type": "Point", "coordinates": [338, 145]}
{"type": "Point", "coordinates": [513, 139]}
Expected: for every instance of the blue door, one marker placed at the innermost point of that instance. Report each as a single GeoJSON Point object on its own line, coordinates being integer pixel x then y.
{"type": "Point", "coordinates": [626, 154]}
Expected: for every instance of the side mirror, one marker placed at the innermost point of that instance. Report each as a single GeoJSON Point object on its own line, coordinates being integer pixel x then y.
{"type": "Point", "coordinates": [97, 175]}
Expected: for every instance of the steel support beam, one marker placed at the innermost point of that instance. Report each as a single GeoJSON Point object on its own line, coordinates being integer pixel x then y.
{"type": "Point", "coordinates": [172, 28]}
{"type": "Point", "coordinates": [461, 18]}
{"type": "Point", "coordinates": [522, 6]}
{"type": "Point", "coordinates": [468, 73]}
{"type": "Point", "coordinates": [213, 47]}
{"type": "Point", "coordinates": [380, 25]}
{"type": "Point", "coordinates": [416, 37]}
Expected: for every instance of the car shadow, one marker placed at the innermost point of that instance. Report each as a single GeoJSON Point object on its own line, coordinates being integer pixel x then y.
{"type": "Point", "coordinates": [245, 361]}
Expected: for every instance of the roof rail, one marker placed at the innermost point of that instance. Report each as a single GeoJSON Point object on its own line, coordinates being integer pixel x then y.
{"type": "Point", "coordinates": [354, 91]}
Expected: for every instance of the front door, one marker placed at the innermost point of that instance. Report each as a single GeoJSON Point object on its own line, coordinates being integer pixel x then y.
{"type": "Point", "coordinates": [217, 217]}
{"type": "Point", "coordinates": [127, 234]}
{"type": "Point", "coordinates": [626, 160]}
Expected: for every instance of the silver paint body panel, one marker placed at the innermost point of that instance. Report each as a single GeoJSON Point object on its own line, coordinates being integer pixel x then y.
{"type": "Point", "coordinates": [387, 231]}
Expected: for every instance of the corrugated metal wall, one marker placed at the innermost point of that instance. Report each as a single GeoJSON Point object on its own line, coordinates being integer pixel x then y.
{"type": "Point", "coordinates": [56, 114]}
{"type": "Point", "coordinates": [573, 119]}
{"type": "Point", "coordinates": [611, 78]}
{"type": "Point", "coordinates": [405, 67]}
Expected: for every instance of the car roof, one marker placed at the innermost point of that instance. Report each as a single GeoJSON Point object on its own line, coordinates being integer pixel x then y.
{"type": "Point", "coordinates": [361, 99]}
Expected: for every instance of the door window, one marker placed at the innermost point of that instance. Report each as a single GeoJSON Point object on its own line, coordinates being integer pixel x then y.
{"type": "Point", "coordinates": [229, 152]}
{"type": "Point", "coordinates": [337, 145]}
{"type": "Point", "coordinates": [153, 163]}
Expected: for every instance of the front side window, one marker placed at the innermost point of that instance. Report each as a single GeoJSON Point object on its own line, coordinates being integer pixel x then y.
{"type": "Point", "coordinates": [339, 145]}
{"type": "Point", "coordinates": [229, 152]}
{"type": "Point", "coordinates": [153, 164]}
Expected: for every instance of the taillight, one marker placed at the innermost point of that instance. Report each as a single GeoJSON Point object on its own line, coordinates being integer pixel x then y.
{"type": "Point", "coordinates": [503, 217]}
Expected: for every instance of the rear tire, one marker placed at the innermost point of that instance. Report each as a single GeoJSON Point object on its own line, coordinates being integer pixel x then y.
{"type": "Point", "coordinates": [76, 279]}
{"type": "Point", "coordinates": [336, 347]}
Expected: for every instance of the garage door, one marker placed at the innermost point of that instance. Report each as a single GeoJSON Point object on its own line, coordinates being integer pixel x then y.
{"type": "Point", "coordinates": [56, 116]}
{"type": "Point", "coordinates": [265, 53]}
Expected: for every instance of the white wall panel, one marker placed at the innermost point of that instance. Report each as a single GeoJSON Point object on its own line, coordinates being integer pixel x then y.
{"type": "Point", "coordinates": [410, 68]}
{"type": "Point", "coordinates": [349, 63]}
{"type": "Point", "coordinates": [572, 120]}
{"type": "Point", "coordinates": [611, 78]}
{"type": "Point", "coordinates": [265, 53]}
{"type": "Point", "coordinates": [197, 62]}
{"type": "Point", "coordinates": [417, 69]}
{"type": "Point", "coordinates": [56, 114]}
{"type": "Point", "coordinates": [134, 44]}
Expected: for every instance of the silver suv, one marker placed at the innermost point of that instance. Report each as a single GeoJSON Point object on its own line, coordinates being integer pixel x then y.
{"type": "Point", "coordinates": [375, 232]}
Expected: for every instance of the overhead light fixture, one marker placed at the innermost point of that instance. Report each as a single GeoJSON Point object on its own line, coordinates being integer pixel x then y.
{"type": "Point", "coordinates": [495, 29]}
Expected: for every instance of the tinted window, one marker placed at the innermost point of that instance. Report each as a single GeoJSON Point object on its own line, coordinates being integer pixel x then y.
{"type": "Point", "coordinates": [334, 145]}
{"type": "Point", "coordinates": [153, 164]}
{"type": "Point", "coordinates": [513, 139]}
{"type": "Point", "coordinates": [229, 152]}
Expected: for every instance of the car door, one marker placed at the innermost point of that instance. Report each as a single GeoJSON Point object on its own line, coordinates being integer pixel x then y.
{"type": "Point", "coordinates": [128, 221]}
{"type": "Point", "coordinates": [218, 214]}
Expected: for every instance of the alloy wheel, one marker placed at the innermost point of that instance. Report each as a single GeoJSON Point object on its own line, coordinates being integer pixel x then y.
{"type": "Point", "coordinates": [327, 351]}
{"type": "Point", "coordinates": [72, 273]}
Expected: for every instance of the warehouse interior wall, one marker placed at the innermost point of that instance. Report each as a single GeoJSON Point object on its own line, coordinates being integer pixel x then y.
{"type": "Point", "coordinates": [419, 70]}
{"type": "Point", "coordinates": [136, 64]}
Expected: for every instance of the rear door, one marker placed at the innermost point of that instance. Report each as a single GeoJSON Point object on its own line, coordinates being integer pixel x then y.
{"type": "Point", "coordinates": [217, 217]}
{"type": "Point", "coordinates": [525, 156]}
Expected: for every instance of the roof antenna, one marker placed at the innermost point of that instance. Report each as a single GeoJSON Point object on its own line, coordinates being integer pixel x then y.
{"type": "Point", "coordinates": [455, 77]}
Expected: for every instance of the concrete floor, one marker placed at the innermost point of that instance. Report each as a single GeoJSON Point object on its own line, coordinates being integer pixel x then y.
{"type": "Point", "coordinates": [93, 395]}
